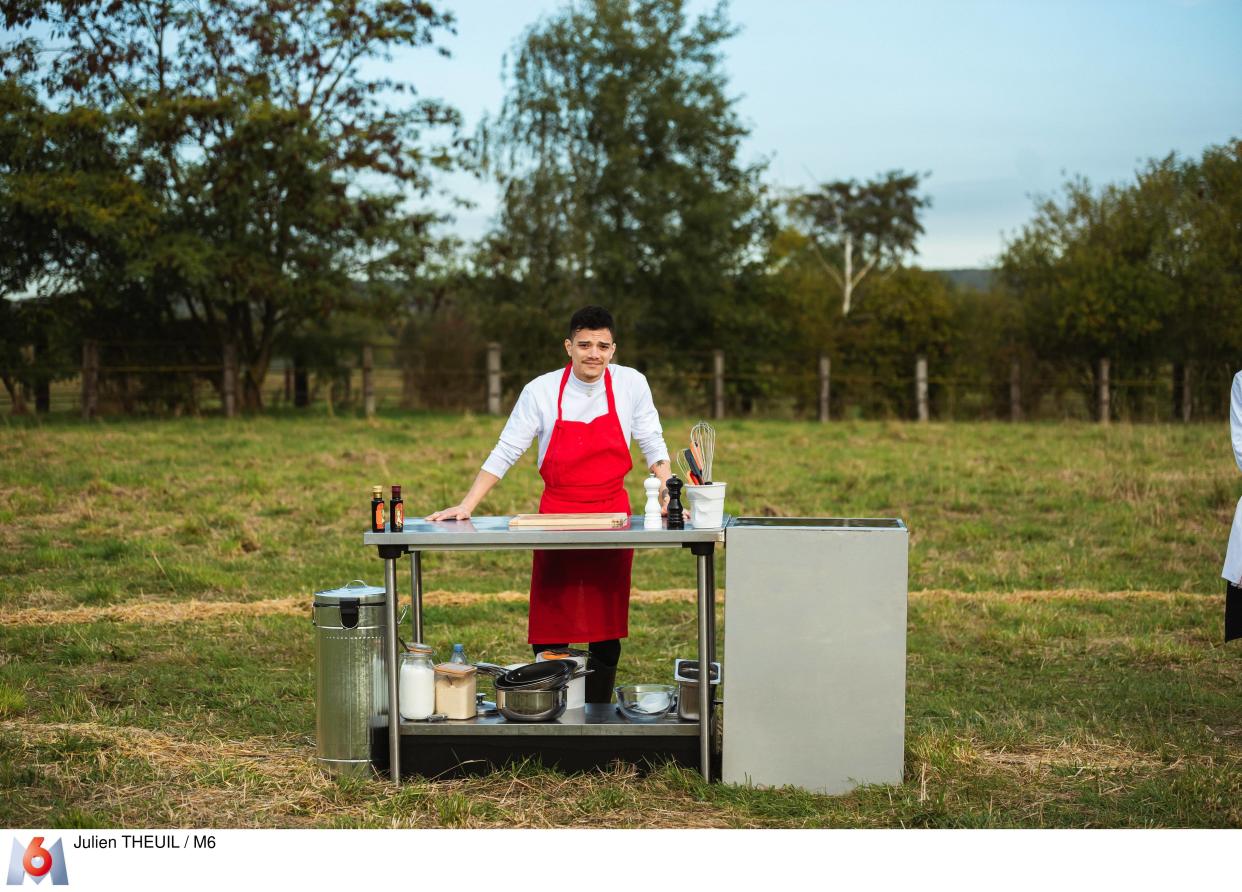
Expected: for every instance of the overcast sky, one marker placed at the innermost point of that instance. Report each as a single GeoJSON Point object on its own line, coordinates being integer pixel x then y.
{"type": "Point", "coordinates": [999, 100]}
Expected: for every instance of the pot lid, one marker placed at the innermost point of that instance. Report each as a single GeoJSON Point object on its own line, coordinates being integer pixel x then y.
{"type": "Point", "coordinates": [688, 670]}
{"type": "Point", "coordinates": [356, 590]}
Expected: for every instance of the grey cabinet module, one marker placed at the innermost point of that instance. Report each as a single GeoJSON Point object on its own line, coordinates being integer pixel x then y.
{"type": "Point", "coordinates": [815, 652]}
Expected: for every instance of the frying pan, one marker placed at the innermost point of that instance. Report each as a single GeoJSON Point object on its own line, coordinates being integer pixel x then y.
{"type": "Point", "coordinates": [534, 676]}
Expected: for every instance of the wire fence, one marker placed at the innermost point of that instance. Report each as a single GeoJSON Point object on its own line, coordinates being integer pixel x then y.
{"type": "Point", "coordinates": [132, 378]}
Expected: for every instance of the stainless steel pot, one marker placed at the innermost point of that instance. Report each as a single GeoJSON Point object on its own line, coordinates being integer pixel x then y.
{"type": "Point", "coordinates": [532, 705]}
{"type": "Point", "coordinates": [686, 674]}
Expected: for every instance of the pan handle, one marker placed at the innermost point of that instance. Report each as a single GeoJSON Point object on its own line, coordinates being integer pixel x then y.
{"type": "Point", "coordinates": [491, 669]}
{"type": "Point", "coordinates": [544, 684]}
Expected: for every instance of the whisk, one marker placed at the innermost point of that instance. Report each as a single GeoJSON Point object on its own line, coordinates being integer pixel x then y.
{"type": "Point", "coordinates": [703, 445]}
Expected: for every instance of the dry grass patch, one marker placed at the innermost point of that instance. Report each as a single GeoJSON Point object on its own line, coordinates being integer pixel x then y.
{"type": "Point", "coordinates": [163, 611]}
{"type": "Point", "coordinates": [147, 612]}
{"type": "Point", "coordinates": [1056, 595]}
{"type": "Point", "coordinates": [135, 776]}
{"type": "Point", "coordinates": [154, 778]}
{"type": "Point", "coordinates": [1045, 757]}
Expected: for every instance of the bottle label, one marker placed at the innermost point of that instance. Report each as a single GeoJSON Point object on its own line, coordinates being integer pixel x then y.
{"type": "Point", "coordinates": [377, 522]}
{"type": "Point", "coordinates": [398, 515]}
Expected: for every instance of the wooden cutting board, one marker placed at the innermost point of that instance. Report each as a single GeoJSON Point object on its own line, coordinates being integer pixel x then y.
{"type": "Point", "coordinates": [571, 521]}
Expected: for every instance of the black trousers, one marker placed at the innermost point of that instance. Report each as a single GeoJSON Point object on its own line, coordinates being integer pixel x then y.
{"type": "Point", "coordinates": [1233, 611]}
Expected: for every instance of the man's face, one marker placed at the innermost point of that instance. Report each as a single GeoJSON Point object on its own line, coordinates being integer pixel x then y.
{"type": "Point", "coordinates": [590, 350]}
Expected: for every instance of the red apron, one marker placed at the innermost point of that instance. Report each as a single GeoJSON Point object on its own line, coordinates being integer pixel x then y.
{"type": "Point", "coordinates": [582, 595]}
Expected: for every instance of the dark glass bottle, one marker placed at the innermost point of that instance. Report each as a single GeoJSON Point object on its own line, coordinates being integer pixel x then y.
{"type": "Point", "coordinates": [676, 514]}
{"type": "Point", "coordinates": [377, 509]}
{"type": "Point", "coordinates": [396, 510]}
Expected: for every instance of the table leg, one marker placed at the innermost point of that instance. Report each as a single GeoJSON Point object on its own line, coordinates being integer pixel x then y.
{"type": "Point", "coordinates": [711, 608]}
{"type": "Point", "coordinates": [390, 662]}
{"type": "Point", "coordinates": [707, 606]}
{"type": "Point", "coordinates": [416, 595]}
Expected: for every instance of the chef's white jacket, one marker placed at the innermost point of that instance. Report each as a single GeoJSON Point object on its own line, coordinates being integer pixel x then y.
{"type": "Point", "coordinates": [535, 415]}
{"type": "Point", "coordinates": [1232, 570]}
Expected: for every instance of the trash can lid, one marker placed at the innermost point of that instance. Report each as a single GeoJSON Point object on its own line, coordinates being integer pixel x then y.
{"type": "Point", "coordinates": [357, 590]}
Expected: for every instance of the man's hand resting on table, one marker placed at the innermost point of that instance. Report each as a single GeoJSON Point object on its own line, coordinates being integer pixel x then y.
{"type": "Point", "coordinates": [461, 511]}
{"type": "Point", "coordinates": [457, 512]}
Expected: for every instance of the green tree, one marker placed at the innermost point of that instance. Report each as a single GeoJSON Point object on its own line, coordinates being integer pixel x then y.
{"type": "Point", "coordinates": [279, 172]}
{"type": "Point", "coordinates": [1146, 272]}
{"type": "Point", "coordinates": [1084, 267]}
{"type": "Point", "coordinates": [1204, 252]}
{"type": "Point", "coordinates": [855, 227]}
{"type": "Point", "coordinates": [618, 152]}
{"type": "Point", "coordinates": [70, 216]}
{"type": "Point", "coordinates": [905, 314]}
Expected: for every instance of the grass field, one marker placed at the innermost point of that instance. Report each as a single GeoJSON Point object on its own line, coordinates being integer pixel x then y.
{"type": "Point", "coordinates": [1065, 665]}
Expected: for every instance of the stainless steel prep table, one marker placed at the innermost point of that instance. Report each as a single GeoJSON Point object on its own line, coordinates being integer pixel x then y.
{"type": "Point", "coordinates": [494, 534]}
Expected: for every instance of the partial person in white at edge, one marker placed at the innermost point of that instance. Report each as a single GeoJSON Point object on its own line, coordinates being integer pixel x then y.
{"type": "Point", "coordinates": [1232, 571]}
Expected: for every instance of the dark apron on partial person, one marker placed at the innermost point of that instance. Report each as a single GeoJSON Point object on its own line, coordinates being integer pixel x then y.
{"type": "Point", "coordinates": [1233, 611]}
{"type": "Point", "coordinates": [583, 595]}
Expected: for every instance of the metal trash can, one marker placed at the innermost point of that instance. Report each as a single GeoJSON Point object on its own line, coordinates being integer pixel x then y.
{"type": "Point", "coordinates": [351, 689]}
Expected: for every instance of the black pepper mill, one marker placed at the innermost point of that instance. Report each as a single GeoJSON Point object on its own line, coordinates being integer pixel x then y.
{"type": "Point", "coordinates": [676, 514]}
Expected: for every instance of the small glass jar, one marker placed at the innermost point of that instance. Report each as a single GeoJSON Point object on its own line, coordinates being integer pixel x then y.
{"type": "Point", "coordinates": [418, 683]}
{"type": "Point", "coordinates": [456, 686]}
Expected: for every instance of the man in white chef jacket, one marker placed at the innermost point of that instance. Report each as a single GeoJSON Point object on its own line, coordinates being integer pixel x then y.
{"type": "Point", "coordinates": [1232, 571]}
{"type": "Point", "coordinates": [584, 417]}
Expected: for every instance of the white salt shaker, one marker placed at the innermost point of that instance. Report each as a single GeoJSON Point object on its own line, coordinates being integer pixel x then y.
{"type": "Point", "coordinates": [651, 513]}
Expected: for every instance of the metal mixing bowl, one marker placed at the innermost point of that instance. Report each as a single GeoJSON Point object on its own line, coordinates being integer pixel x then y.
{"type": "Point", "coordinates": [522, 705]}
{"type": "Point", "coordinates": [645, 702]}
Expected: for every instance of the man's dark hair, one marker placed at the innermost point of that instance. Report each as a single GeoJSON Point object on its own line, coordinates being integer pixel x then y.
{"type": "Point", "coordinates": [592, 318]}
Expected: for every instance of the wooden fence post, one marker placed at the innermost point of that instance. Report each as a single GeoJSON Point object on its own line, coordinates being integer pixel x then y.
{"type": "Point", "coordinates": [1102, 392]}
{"type": "Point", "coordinates": [493, 378]}
{"type": "Point", "coordinates": [368, 380]}
{"type": "Point", "coordinates": [90, 379]}
{"type": "Point", "coordinates": [1187, 393]}
{"type": "Point", "coordinates": [1015, 390]}
{"type": "Point", "coordinates": [825, 383]}
{"type": "Point", "coordinates": [42, 379]}
{"type": "Point", "coordinates": [920, 387]}
{"type": "Point", "coordinates": [718, 402]}
{"type": "Point", "coordinates": [230, 380]}
{"type": "Point", "coordinates": [301, 384]}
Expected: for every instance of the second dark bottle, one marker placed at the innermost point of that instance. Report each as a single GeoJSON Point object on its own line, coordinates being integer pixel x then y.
{"type": "Point", "coordinates": [396, 510]}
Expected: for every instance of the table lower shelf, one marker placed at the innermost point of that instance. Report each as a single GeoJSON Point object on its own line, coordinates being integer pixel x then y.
{"type": "Point", "coordinates": [595, 720]}
{"type": "Point", "coordinates": [590, 739]}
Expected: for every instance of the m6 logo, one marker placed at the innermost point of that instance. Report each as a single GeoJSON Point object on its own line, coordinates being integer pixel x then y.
{"type": "Point", "coordinates": [37, 862]}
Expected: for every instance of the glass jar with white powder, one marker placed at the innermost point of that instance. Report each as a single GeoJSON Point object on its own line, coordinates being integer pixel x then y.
{"type": "Point", "coordinates": [418, 683]}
